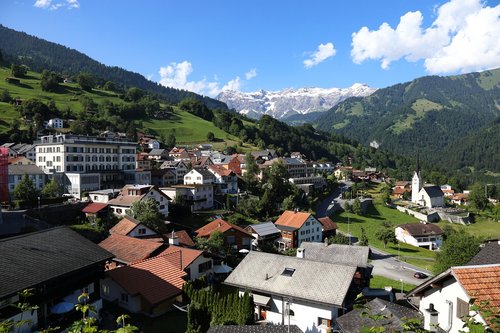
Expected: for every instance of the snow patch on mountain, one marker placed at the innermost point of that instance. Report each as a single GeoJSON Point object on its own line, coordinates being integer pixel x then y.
{"type": "Point", "coordinates": [284, 103]}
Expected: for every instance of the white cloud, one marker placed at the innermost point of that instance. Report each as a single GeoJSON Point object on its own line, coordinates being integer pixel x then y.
{"type": "Point", "coordinates": [251, 74]}
{"type": "Point", "coordinates": [51, 5]}
{"type": "Point", "coordinates": [324, 52]}
{"type": "Point", "coordinates": [176, 75]}
{"type": "Point", "coordinates": [465, 36]}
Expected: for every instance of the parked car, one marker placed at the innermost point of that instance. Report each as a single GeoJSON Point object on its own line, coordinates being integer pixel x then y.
{"type": "Point", "coordinates": [420, 275]}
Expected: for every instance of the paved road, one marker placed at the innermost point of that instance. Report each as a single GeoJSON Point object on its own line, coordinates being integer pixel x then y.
{"type": "Point", "coordinates": [389, 266]}
{"type": "Point", "coordinates": [327, 204]}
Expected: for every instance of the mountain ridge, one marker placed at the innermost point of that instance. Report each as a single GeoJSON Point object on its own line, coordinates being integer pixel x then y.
{"type": "Point", "coordinates": [287, 102]}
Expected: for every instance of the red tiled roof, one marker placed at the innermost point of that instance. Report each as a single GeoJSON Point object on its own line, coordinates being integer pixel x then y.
{"type": "Point", "coordinates": [187, 255]}
{"type": "Point", "coordinates": [481, 283]}
{"type": "Point", "coordinates": [155, 279]}
{"type": "Point", "coordinates": [293, 219]}
{"type": "Point", "coordinates": [184, 238]}
{"type": "Point", "coordinates": [94, 207]}
{"type": "Point", "coordinates": [327, 223]}
{"type": "Point", "coordinates": [125, 226]}
{"type": "Point", "coordinates": [220, 170]}
{"type": "Point", "coordinates": [129, 249]}
{"type": "Point", "coordinates": [400, 190]}
{"type": "Point", "coordinates": [218, 225]}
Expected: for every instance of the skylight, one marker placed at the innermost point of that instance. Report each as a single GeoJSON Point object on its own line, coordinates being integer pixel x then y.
{"type": "Point", "coordinates": [288, 271]}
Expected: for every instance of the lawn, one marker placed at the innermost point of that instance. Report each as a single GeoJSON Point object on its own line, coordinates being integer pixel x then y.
{"type": "Point", "coordinates": [378, 281]}
{"type": "Point", "coordinates": [483, 227]}
{"type": "Point", "coordinates": [373, 221]}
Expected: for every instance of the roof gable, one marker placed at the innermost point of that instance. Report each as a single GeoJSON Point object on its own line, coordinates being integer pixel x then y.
{"type": "Point", "coordinates": [336, 253]}
{"type": "Point", "coordinates": [421, 229]}
{"type": "Point", "coordinates": [219, 225]}
{"type": "Point", "coordinates": [124, 226]}
{"type": "Point", "coordinates": [187, 255]}
{"type": "Point", "coordinates": [327, 223]}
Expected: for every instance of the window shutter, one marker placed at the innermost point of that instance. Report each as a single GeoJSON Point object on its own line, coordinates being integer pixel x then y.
{"type": "Point", "coordinates": [462, 308]}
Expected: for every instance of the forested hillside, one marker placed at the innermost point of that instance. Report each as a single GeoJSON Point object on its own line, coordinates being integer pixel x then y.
{"type": "Point", "coordinates": [39, 54]}
{"type": "Point", "coordinates": [437, 116]}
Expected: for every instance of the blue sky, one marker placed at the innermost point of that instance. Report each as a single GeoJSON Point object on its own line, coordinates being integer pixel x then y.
{"type": "Point", "coordinates": [209, 46]}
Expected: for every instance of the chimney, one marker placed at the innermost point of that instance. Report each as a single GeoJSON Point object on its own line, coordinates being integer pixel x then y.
{"type": "Point", "coordinates": [300, 253]}
{"type": "Point", "coordinates": [432, 323]}
{"type": "Point", "coordinates": [173, 239]}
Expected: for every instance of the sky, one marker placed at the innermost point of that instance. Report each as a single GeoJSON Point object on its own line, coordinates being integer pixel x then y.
{"type": "Point", "coordinates": [211, 46]}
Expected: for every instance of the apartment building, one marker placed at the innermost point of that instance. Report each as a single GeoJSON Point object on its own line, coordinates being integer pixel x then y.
{"type": "Point", "coordinates": [84, 154]}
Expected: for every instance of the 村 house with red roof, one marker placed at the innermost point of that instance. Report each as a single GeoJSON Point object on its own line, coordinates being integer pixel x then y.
{"type": "Point", "coordinates": [297, 227]}
{"type": "Point", "coordinates": [446, 298]}
{"type": "Point", "coordinates": [128, 226]}
{"type": "Point", "coordinates": [149, 286]}
{"type": "Point", "coordinates": [194, 262]}
{"type": "Point", "coordinates": [234, 236]}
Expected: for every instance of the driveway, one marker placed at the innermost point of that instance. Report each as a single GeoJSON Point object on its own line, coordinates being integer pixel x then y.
{"type": "Point", "coordinates": [334, 198]}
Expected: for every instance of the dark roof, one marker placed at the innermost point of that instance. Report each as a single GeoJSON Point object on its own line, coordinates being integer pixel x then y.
{"type": "Point", "coordinates": [327, 223]}
{"type": "Point", "coordinates": [37, 257]}
{"type": "Point", "coordinates": [421, 229]}
{"type": "Point", "coordinates": [254, 329]}
{"type": "Point", "coordinates": [264, 229]}
{"type": "Point", "coordinates": [353, 321]}
{"type": "Point", "coordinates": [434, 191]}
{"type": "Point", "coordinates": [489, 254]}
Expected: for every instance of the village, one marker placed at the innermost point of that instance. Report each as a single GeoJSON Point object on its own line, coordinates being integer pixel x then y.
{"type": "Point", "coordinates": [152, 260]}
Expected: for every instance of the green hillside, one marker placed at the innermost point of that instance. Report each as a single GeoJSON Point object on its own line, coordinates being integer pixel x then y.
{"type": "Point", "coordinates": [188, 128]}
{"type": "Point", "coordinates": [432, 115]}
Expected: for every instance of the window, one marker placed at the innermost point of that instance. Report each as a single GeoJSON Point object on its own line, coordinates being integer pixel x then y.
{"type": "Point", "coordinates": [141, 231]}
{"type": "Point", "coordinates": [124, 298]}
{"type": "Point", "coordinates": [205, 266]}
{"type": "Point", "coordinates": [118, 210]}
{"type": "Point", "coordinates": [231, 239]}
{"type": "Point", "coordinates": [288, 271]}
{"type": "Point", "coordinates": [323, 322]}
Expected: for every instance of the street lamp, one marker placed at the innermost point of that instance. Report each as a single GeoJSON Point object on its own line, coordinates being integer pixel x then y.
{"type": "Point", "coordinates": [38, 203]}
{"type": "Point", "coordinates": [401, 285]}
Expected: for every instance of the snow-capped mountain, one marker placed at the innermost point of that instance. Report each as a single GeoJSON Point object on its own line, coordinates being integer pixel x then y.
{"type": "Point", "coordinates": [285, 103]}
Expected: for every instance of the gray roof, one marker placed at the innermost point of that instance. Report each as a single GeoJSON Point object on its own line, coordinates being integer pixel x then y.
{"type": "Point", "coordinates": [434, 191]}
{"type": "Point", "coordinates": [265, 229]}
{"type": "Point", "coordinates": [289, 160]}
{"type": "Point", "coordinates": [489, 254]}
{"type": "Point", "coordinates": [170, 164]}
{"type": "Point", "coordinates": [37, 257]}
{"type": "Point", "coordinates": [21, 169]}
{"type": "Point", "coordinates": [158, 152]}
{"type": "Point", "coordinates": [350, 255]}
{"type": "Point", "coordinates": [354, 321]}
{"type": "Point", "coordinates": [107, 191]}
{"type": "Point", "coordinates": [306, 284]}
{"type": "Point", "coordinates": [254, 329]}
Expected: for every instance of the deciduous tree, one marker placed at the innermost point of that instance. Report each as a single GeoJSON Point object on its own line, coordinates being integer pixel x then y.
{"type": "Point", "coordinates": [386, 235]}
{"type": "Point", "coordinates": [147, 212]}
{"type": "Point", "coordinates": [457, 250]}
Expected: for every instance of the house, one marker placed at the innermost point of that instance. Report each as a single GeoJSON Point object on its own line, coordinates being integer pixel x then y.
{"type": "Point", "coordinates": [180, 169]}
{"type": "Point", "coordinates": [192, 261]}
{"type": "Point", "coordinates": [197, 196]}
{"type": "Point", "coordinates": [128, 226]}
{"type": "Point", "coordinates": [317, 182]}
{"type": "Point", "coordinates": [295, 167]}
{"type": "Point", "coordinates": [26, 150]}
{"type": "Point", "coordinates": [225, 180]}
{"type": "Point", "coordinates": [127, 249]}
{"type": "Point", "coordinates": [149, 286]}
{"type": "Point", "coordinates": [236, 163]}
{"type": "Point", "coordinates": [158, 154]}
{"type": "Point", "coordinates": [340, 254]}
{"type": "Point", "coordinates": [263, 232]}
{"type": "Point", "coordinates": [323, 168]}
{"type": "Point", "coordinates": [460, 199]}
{"type": "Point", "coordinates": [103, 196]}
{"type": "Point", "coordinates": [136, 176]}
{"type": "Point", "coordinates": [153, 144]}
{"type": "Point", "coordinates": [179, 238]}
{"type": "Point", "coordinates": [163, 177]}
{"type": "Point", "coordinates": [19, 160]}
{"type": "Point", "coordinates": [445, 299]}
{"type": "Point", "coordinates": [234, 236]}
{"type": "Point", "coordinates": [297, 227]}
{"type": "Point", "coordinates": [200, 162]}
{"type": "Point", "coordinates": [95, 210]}
{"type": "Point", "coordinates": [55, 123]}
{"type": "Point", "coordinates": [198, 176]}
{"type": "Point", "coordinates": [329, 227]}
{"type": "Point", "coordinates": [142, 161]}
{"type": "Point", "coordinates": [292, 290]}
{"type": "Point", "coordinates": [393, 317]}
{"type": "Point", "coordinates": [130, 194]}
{"type": "Point", "coordinates": [58, 263]}
{"type": "Point", "coordinates": [425, 235]}
{"type": "Point", "coordinates": [178, 154]}
{"type": "Point", "coordinates": [264, 155]}
{"type": "Point", "coordinates": [35, 174]}
{"type": "Point", "coordinates": [447, 190]}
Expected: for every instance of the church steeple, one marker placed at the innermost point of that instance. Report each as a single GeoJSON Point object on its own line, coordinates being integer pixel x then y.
{"type": "Point", "coordinates": [417, 170]}
{"type": "Point", "coordinates": [416, 183]}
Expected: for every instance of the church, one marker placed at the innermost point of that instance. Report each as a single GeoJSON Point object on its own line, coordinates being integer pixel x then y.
{"type": "Point", "coordinates": [427, 196]}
